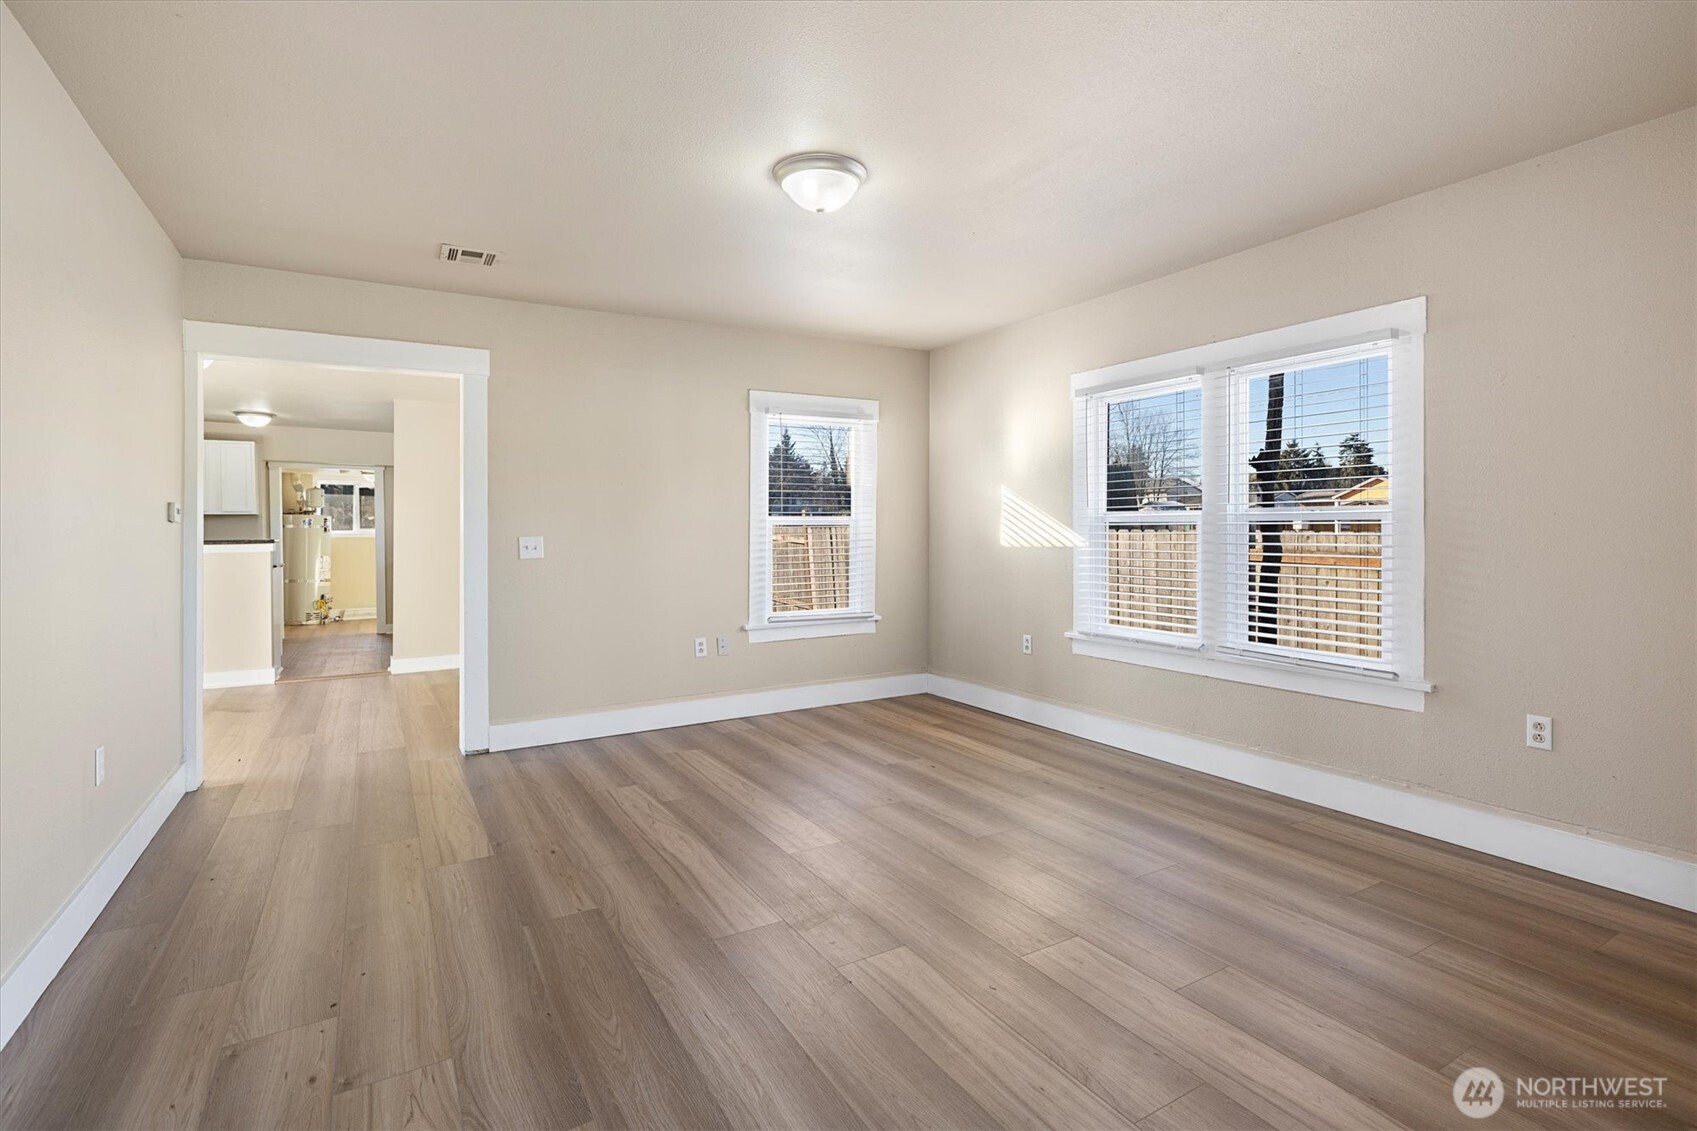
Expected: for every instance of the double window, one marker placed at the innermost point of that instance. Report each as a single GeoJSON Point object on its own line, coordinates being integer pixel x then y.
{"type": "Point", "coordinates": [812, 522]}
{"type": "Point", "coordinates": [1252, 509]}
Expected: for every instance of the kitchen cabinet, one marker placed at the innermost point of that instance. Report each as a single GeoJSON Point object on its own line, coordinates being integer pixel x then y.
{"type": "Point", "coordinates": [230, 476]}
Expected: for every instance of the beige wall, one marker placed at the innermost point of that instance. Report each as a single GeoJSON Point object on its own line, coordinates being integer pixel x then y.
{"type": "Point", "coordinates": [353, 572]}
{"type": "Point", "coordinates": [624, 442]}
{"type": "Point", "coordinates": [236, 610]}
{"type": "Point", "coordinates": [386, 615]}
{"type": "Point", "coordinates": [427, 530]}
{"type": "Point", "coordinates": [91, 449]}
{"type": "Point", "coordinates": [1561, 372]}
{"type": "Point", "coordinates": [317, 447]}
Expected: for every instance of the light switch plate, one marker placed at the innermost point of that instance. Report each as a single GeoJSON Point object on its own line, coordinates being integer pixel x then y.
{"type": "Point", "coordinates": [530, 547]}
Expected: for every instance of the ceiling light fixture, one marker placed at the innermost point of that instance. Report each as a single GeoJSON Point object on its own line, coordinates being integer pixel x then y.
{"type": "Point", "coordinates": [254, 419]}
{"type": "Point", "coordinates": [819, 182]}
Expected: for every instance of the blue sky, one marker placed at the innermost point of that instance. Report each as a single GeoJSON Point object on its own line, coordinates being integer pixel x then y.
{"type": "Point", "coordinates": [1327, 403]}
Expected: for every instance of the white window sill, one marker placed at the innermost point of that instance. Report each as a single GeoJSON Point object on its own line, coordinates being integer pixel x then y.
{"type": "Point", "coordinates": [1357, 687]}
{"type": "Point", "coordinates": [804, 629]}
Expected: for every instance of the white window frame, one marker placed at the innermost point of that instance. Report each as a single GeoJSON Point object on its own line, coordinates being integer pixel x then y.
{"type": "Point", "coordinates": [1401, 681]}
{"type": "Point", "coordinates": [764, 625]}
{"type": "Point", "coordinates": [355, 481]}
{"type": "Point", "coordinates": [1094, 520]}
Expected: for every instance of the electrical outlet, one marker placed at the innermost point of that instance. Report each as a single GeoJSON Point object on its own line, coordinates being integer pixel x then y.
{"type": "Point", "coordinates": [530, 547]}
{"type": "Point", "coordinates": [700, 647]}
{"type": "Point", "coordinates": [100, 765]}
{"type": "Point", "coordinates": [1540, 732]}
{"type": "Point", "coordinates": [1025, 644]}
{"type": "Point", "coordinates": [724, 646]}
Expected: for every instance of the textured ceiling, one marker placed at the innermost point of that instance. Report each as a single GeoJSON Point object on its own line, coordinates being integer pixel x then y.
{"type": "Point", "coordinates": [1022, 156]}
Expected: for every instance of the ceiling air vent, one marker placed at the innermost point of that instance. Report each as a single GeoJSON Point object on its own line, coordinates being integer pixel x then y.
{"type": "Point", "coordinates": [454, 253]}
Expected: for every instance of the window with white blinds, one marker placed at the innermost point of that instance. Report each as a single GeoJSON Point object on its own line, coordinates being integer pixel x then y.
{"type": "Point", "coordinates": [1252, 509]}
{"type": "Point", "coordinates": [1143, 502]}
{"type": "Point", "coordinates": [812, 523]}
{"type": "Point", "coordinates": [1307, 525]}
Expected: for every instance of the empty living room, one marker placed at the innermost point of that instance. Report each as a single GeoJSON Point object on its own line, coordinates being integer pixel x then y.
{"type": "Point", "coordinates": [826, 564]}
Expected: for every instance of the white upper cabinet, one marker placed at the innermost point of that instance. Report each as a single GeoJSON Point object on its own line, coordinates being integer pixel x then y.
{"type": "Point", "coordinates": [230, 476]}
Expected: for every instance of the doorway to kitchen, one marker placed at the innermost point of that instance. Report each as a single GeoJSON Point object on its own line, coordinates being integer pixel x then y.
{"type": "Point", "coordinates": [330, 600]}
{"type": "Point", "coordinates": [276, 420]}
{"type": "Point", "coordinates": [355, 585]}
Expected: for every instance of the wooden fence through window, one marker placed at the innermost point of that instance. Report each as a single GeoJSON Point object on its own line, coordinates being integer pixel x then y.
{"type": "Point", "coordinates": [1152, 578]}
{"type": "Point", "coordinates": [1330, 586]}
{"type": "Point", "coordinates": [810, 568]}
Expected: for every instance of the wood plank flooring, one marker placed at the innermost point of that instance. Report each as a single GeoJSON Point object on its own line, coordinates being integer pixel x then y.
{"type": "Point", "coordinates": [896, 914]}
{"type": "Point", "coordinates": [342, 647]}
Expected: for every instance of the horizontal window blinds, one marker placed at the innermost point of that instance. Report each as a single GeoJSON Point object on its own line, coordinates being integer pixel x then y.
{"type": "Point", "coordinates": [1244, 510]}
{"type": "Point", "coordinates": [815, 532]}
{"type": "Point", "coordinates": [1305, 538]}
{"type": "Point", "coordinates": [1143, 503]}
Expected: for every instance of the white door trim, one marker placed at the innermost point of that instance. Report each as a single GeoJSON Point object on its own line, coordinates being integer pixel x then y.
{"type": "Point", "coordinates": [206, 341]}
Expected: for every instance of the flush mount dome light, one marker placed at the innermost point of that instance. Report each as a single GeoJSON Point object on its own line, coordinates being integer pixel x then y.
{"type": "Point", "coordinates": [819, 182]}
{"type": "Point", "coordinates": [254, 419]}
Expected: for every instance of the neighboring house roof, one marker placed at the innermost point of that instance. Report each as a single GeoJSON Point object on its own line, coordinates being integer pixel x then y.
{"type": "Point", "coordinates": [1372, 488]}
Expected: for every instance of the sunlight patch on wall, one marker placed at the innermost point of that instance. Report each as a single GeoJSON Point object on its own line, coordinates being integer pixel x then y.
{"type": "Point", "coordinates": [1024, 524]}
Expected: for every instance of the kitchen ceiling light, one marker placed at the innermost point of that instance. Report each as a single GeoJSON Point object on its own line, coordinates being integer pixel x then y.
{"type": "Point", "coordinates": [819, 182]}
{"type": "Point", "coordinates": [254, 419]}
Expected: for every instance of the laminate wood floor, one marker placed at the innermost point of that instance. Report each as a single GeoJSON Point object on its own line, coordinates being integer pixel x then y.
{"type": "Point", "coordinates": [343, 647]}
{"type": "Point", "coordinates": [895, 914]}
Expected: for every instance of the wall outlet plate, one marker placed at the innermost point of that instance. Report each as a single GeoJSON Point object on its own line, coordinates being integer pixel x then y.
{"type": "Point", "coordinates": [1540, 732]}
{"type": "Point", "coordinates": [724, 646]}
{"type": "Point", "coordinates": [1025, 644]}
{"type": "Point", "coordinates": [530, 546]}
{"type": "Point", "coordinates": [700, 647]}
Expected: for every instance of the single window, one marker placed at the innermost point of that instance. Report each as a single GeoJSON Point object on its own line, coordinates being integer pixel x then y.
{"type": "Point", "coordinates": [1310, 525]}
{"type": "Point", "coordinates": [1141, 530]}
{"type": "Point", "coordinates": [812, 560]}
{"type": "Point", "coordinates": [1261, 513]}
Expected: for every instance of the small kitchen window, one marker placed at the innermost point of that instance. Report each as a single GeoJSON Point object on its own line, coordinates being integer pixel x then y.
{"type": "Point", "coordinates": [350, 506]}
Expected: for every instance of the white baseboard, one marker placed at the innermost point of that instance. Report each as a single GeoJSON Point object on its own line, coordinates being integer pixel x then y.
{"type": "Point", "coordinates": [251, 677]}
{"type": "Point", "coordinates": [710, 709]}
{"type": "Point", "coordinates": [358, 614]}
{"type": "Point", "coordinates": [29, 978]}
{"type": "Point", "coordinates": [415, 664]}
{"type": "Point", "coordinates": [1664, 879]}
